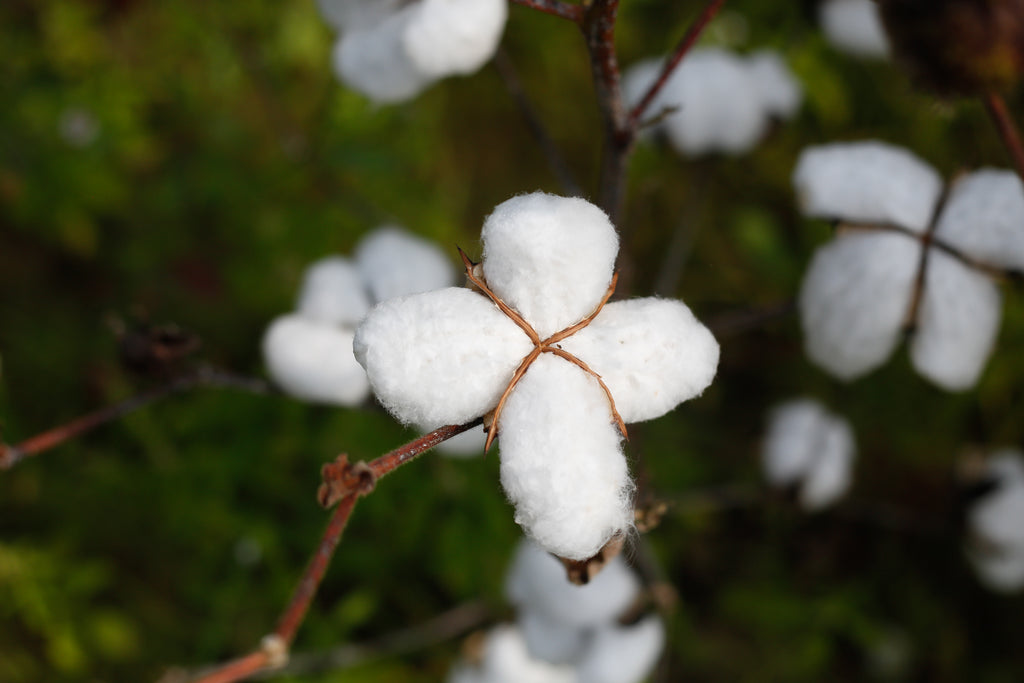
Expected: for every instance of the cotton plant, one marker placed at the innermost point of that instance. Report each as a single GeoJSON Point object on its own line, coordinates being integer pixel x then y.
{"type": "Point", "coordinates": [567, 632]}
{"type": "Point", "coordinates": [557, 371]}
{"type": "Point", "coordinates": [391, 50]}
{"type": "Point", "coordinates": [809, 449]}
{"type": "Point", "coordinates": [854, 27]}
{"type": "Point", "coordinates": [996, 523]}
{"type": "Point", "coordinates": [717, 101]}
{"type": "Point", "coordinates": [308, 353]}
{"type": "Point", "coordinates": [910, 254]}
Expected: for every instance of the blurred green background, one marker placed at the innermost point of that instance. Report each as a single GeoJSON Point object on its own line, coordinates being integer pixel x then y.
{"type": "Point", "coordinates": [189, 159]}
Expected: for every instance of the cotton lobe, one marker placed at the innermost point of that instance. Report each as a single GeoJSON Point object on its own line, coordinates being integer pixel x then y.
{"type": "Point", "coordinates": [808, 447]}
{"type": "Point", "coordinates": [995, 520]}
{"type": "Point", "coordinates": [855, 27]}
{"type": "Point", "coordinates": [858, 293]}
{"type": "Point", "coordinates": [447, 357]}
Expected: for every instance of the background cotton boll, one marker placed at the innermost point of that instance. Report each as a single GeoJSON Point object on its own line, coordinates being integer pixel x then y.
{"type": "Point", "coordinates": [393, 263]}
{"type": "Point", "coordinates": [854, 298]}
{"type": "Point", "coordinates": [356, 14]}
{"type": "Point", "coordinates": [465, 445]}
{"type": "Point", "coordinates": [506, 660]}
{"type": "Point", "coordinates": [374, 63]}
{"type": "Point", "coordinates": [537, 583]}
{"type": "Point", "coordinates": [983, 218]}
{"type": "Point", "coordinates": [995, 520]}
{"type": "Point", "coordinates": [549, 640]}
{"type": "Point", "coordinates": [550, 258]}
{"type": "Point", "coordinates": [867, 182]}
{"type": "Point", "coordinates": [332, 293]}
{"type": "Point", "coordinates": [780, 91]}
{"type": "Point", "coordinates": [790, 444]}
{"type": "Point", "coordinates": [635, 82]}
{"type": "Point", "coordinates": [652, 353]}
{"type": "Point", "coordinates": [623, 654]}
{"type": "Point", "coordinates": [831, 472]}
{"type": "Point", "coordinates": [441, 357]}
{"type": "Point", "coordinates": [314, 362]}
{"type": "Point", "coordinates": [854, 26]}
{"type": "Point", "coordinates": [455, 36]}
{"type": "Point", "coordinates": [1000, 571]}
{"type": "Point", "coordinates": [1006, 466]}
{"type": "Point", "coordinates": [957, 323]}
{"type": "Point", "coordinates": [996, 517]}
{"type": "Point", "coordinates": [560, 460]}
{"type": "Point", "coordinates": [720, 108]}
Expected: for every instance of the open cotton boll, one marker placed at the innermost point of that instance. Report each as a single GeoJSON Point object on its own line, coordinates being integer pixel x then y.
{"type": "Point", "coordinates": [314, 362]}
{"type": "Point", "coordinates": [332, 293]}
{"type": "Point", "coordinates": [549, 640]}
{"type": "Point", "coordinates": [996, 520]}
{"type": "Point", "coordinates": [455, 36]}
{"type": "Point", "coordinates": [373, 61]}
{"type": "Point", "coordinates": [550, 258]}
{"type": "Point", "coordinates": [465, 445]}
{"type": "Point", "coordinates": [393, 263]}
{"type": "Point", "coordinates": [720, 108]}
{"type": "Point", "coordinates": [790, 444]}
{"type": "Point", "coordinates": [1001, 571]}
{"type": "Point", "coordinates": [957, 323]}
{"type": "Point", "coordinates": [441, 357]}
{"type": "Point", "coordinates": [867, 182]}
{"type": "Point", "coordinates": [984, 218]}
{"type": "Point", "coordinates": [652, 353]}
{"type": "Point", "coordinates": [854, 298]}
{"type": "Point", "coordinates": [997, 517]}
{"type": "Point", "coordinates": [831, 473]}
{"type": "Point", "coordinates": [561, 465]}
{"type": "Point", "coordinates": [854, 26]}
{"type": "Point", "coordinates": [780, 92]}
{"type": "Point", "coordinates": [537, 583]}
{"type": "Point", "coordinates": [623, 654]}
{"type": "Point", "coordinates": [506, 660]}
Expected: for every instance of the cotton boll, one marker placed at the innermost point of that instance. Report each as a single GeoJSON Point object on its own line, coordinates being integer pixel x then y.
{"type": "Point", "coordinates": [957, 323]}
{"type": "Point", "coordinates": [441, 357]}
{"type": "Point", "coordinates": [831, 474]}
{"type": "Point", "coordinates": [314, 362]}
{"type": "Point", "coordinates": [551, 641]}
{"type": "Point", "coordinates": [996, 520]}
{"type": "Point", "coordinates": [550, 258]}
{"type": "Point", "coordinates": [332, 293]}
{"type": "Point", "coordinates": [997, 517]}
{"type": "Point", "coordinates": [652, 353]}
{"type": "Point", "coordinates": [623, 654]}
{"type": "Point", "coordinates": [454, 36]}
{"type": "Point", "coordinates": [867, 182]}
{"type": "Point", "coordinates": [373, 62]}
{"type": "Point", "coordinates": [465, 445]}
{"type": "Point", "coordinates": [789, 446]}
{"type": "Point", "coordinates": [537, 583]}
{"type": "Point", "coordinates": [506, 660]}
{"type": "Point", "coordinates": [356, 14]}
{"type": "Point", "coordinates": [720, 108]}
{"type": "Point", "coordinates": [854, 26]}
{"type": "Point", "coordinates": [984, 218]}
{"type": "Point", "coordinates": [780, 92]}
{"type": "Point", "coordinates": [854, 299]}
{"type": "Point", "coordinates": [394, 263]}
{"type": "Point", "coordinates": [561, 465]}
{"type": "Point", "coordinates": [1000, 571]}
{"type": "Point", "coordinates": [636, 80]}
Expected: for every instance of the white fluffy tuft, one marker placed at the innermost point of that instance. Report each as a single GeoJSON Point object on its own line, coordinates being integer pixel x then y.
{"type": "Point", "coordinates": [506, 660]}
{"type": "Point", "coordinates": [454, 36]}
{"type": "Point", "coordinates": [332, 293]}
{"type": "Point", "coordinates": [623, 654]}
{"type": "Point", "coordinates": [394, 262]}
{"type": "Point", "coordinates": [855, 27]}
{"type": "Point", "coordinates": [996, 521]}
{"type": "Point", "coordinates": [780, 92]}
{"type": "Point", "coordinates": [550, 258]}
{"type": "Point", "coordinates": [373, 62]}
{"type": "Point", "coordinates": [984, 218]}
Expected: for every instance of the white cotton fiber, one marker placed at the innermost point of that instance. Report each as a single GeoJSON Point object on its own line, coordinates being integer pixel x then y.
{"type": "Point", "coordinates": [454, 36]}
{"type": "Point", "coordinates": [719, 106]}
{"type": "Point", "coordinates": [1001, 571]}
{"type": "Point", "coordinates": [779, 90]}
{"type": "Point", "coordinates": [867, 182]}
{"type": "Point", "coordinates": [854, 26]}
{"type": "Point", "coordinates": [356, 14]}
{"type": "Point", "coordinates": [984, 218]}
{"type": "Point", "coordinates": [332, 293]}
{"type": "Point", "coordinates": [561, 465]}
{"type": "Point", "coordinates": [957, 324]}
{"type": "Point", "coordinates": [393, 263]}
{"type": "Point", "coordinates": [441, 357]}
{"type": "Point", "coordinates": [854, 299]}
{"type": "Point", "coordinates": [551, 641]}
{"type": "Point", "coordinates": [537, 583]}
{"type": "Point", "coordinates": [996, 519]}
{"type": "Point", "coordinates": [506, 660]}
{"type": "Point", "coordinates": [807, 445]}
{"type": "Point", "coordinates": [373, 61]}
{"type": "Point", "coordinates": [652, 353]}
{"type": "Point", "coordinates": [314, 362]}
{"type": "Point", "coordinates": [550, 258]}
{"type": "Point", "coordinates": [623, 654]}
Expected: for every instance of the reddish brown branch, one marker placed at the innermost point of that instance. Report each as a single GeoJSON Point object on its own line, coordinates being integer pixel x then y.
{"type": "Point", "coordinates": [557, 8]}
{"type": "Point", "coordinates": [10, 455]}
{"type": "Point", "coordinates": [1007, 130]}
{"type": "Point", "coordinates": [680, 51]}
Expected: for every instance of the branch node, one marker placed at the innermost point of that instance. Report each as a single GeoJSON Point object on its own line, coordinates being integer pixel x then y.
{"type": "Point", "coordinates": [9, 456]}
{"type": "Point", "coordinates": [342, 478]}
{"type": "Point", "coordinates": [276, 650]}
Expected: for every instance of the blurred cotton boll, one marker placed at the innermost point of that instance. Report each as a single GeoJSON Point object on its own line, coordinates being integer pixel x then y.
{"type": "Point", "coordinates": [996, 522]}
{"type": "Point", "coordinates": [854, 27]}
{"type": "Point", "coordinates": [809, 448]}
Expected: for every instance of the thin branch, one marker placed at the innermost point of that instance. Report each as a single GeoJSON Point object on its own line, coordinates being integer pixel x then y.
{"type": "Point", "coordinates": [10, 455]}
{"type": "Point", "coordinates": [680, 51]}
{"type": "Point", "coordinates": [556, 161]}
{"type": "Point", "coordinates": [556, 8]}
{"type": "Point", "coordinates": [996, 107]}
{"type": "Point", "coordinates": [917, 293]}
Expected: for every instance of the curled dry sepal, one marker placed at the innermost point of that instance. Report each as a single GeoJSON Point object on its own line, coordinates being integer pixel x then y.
{"type": "Point", "coordinates": [996, 523]}
{"type": "Point", "coordinates": [308, 353]}
{"type": "Point", "coordinates": [910, 254]}
{"type": "Point", "coordinates": [717, 101]}
{"type": "Point", "coordinates": [562, 365]}
{"type": "Point", "coordinates": [854, 27]}
{"type": "Point", "coordinates": [390, 50]}
{"type": "Point", "coordinates": [809, 448]}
